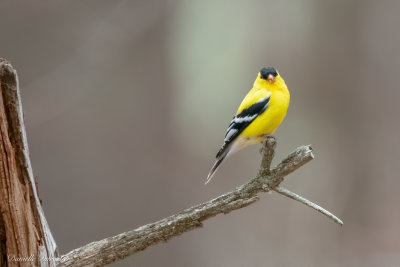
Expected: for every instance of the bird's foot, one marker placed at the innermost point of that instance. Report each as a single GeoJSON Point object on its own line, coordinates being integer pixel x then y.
{"type": "Point", "coordinates": [265, 137]}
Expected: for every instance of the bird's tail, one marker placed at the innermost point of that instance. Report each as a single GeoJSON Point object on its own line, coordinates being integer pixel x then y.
{"type": "Point", "coordinates": [214, 168]}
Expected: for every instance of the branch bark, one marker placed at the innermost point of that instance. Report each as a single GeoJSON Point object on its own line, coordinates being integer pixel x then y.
{"type": "Point", "coordinates": [24, 234]}
{"type": "Point", "coordinates": [114, 248]}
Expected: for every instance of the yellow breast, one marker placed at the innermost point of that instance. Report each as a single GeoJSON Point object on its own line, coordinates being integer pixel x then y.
{"type": "Point", "coordinates": [272, 117]}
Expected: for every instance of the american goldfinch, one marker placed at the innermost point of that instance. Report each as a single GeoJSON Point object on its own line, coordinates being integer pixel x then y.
{"type": "Point", "coordinates": [260, 113]}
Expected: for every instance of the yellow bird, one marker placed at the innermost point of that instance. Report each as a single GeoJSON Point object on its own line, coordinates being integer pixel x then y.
{"type": "Point", "coordinates": [260, 113]}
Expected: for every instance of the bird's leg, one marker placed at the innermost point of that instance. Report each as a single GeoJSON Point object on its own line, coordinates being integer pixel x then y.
{"type": "Point", "coordinates": [263, 137]}
{"type": "Point", "coordinates": [266, 136]}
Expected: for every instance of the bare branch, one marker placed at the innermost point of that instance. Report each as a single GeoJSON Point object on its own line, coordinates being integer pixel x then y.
{"type": "Point", "coordinates": [268, 152]}
{"type": "Point", "coordinates": [307, 202]}
{"type": "Point", "coordinates": [118, 247]}
{"type": "Point", "coordinates": [294, 160]}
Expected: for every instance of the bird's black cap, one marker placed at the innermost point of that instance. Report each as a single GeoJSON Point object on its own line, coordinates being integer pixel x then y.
{"type": "Point", "coordinates": [264, 72]}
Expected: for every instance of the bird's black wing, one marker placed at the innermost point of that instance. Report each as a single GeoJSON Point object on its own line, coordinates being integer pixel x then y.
{"type": "Point", "coordinates": [241, 121]}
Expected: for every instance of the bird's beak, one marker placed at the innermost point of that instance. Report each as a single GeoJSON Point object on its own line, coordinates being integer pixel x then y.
{"type": "Point", "coordinates": [271, 78]}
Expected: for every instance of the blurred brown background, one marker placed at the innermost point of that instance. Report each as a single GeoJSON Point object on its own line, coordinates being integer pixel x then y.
{"type": "Point", "coordinates": [127, 102]}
